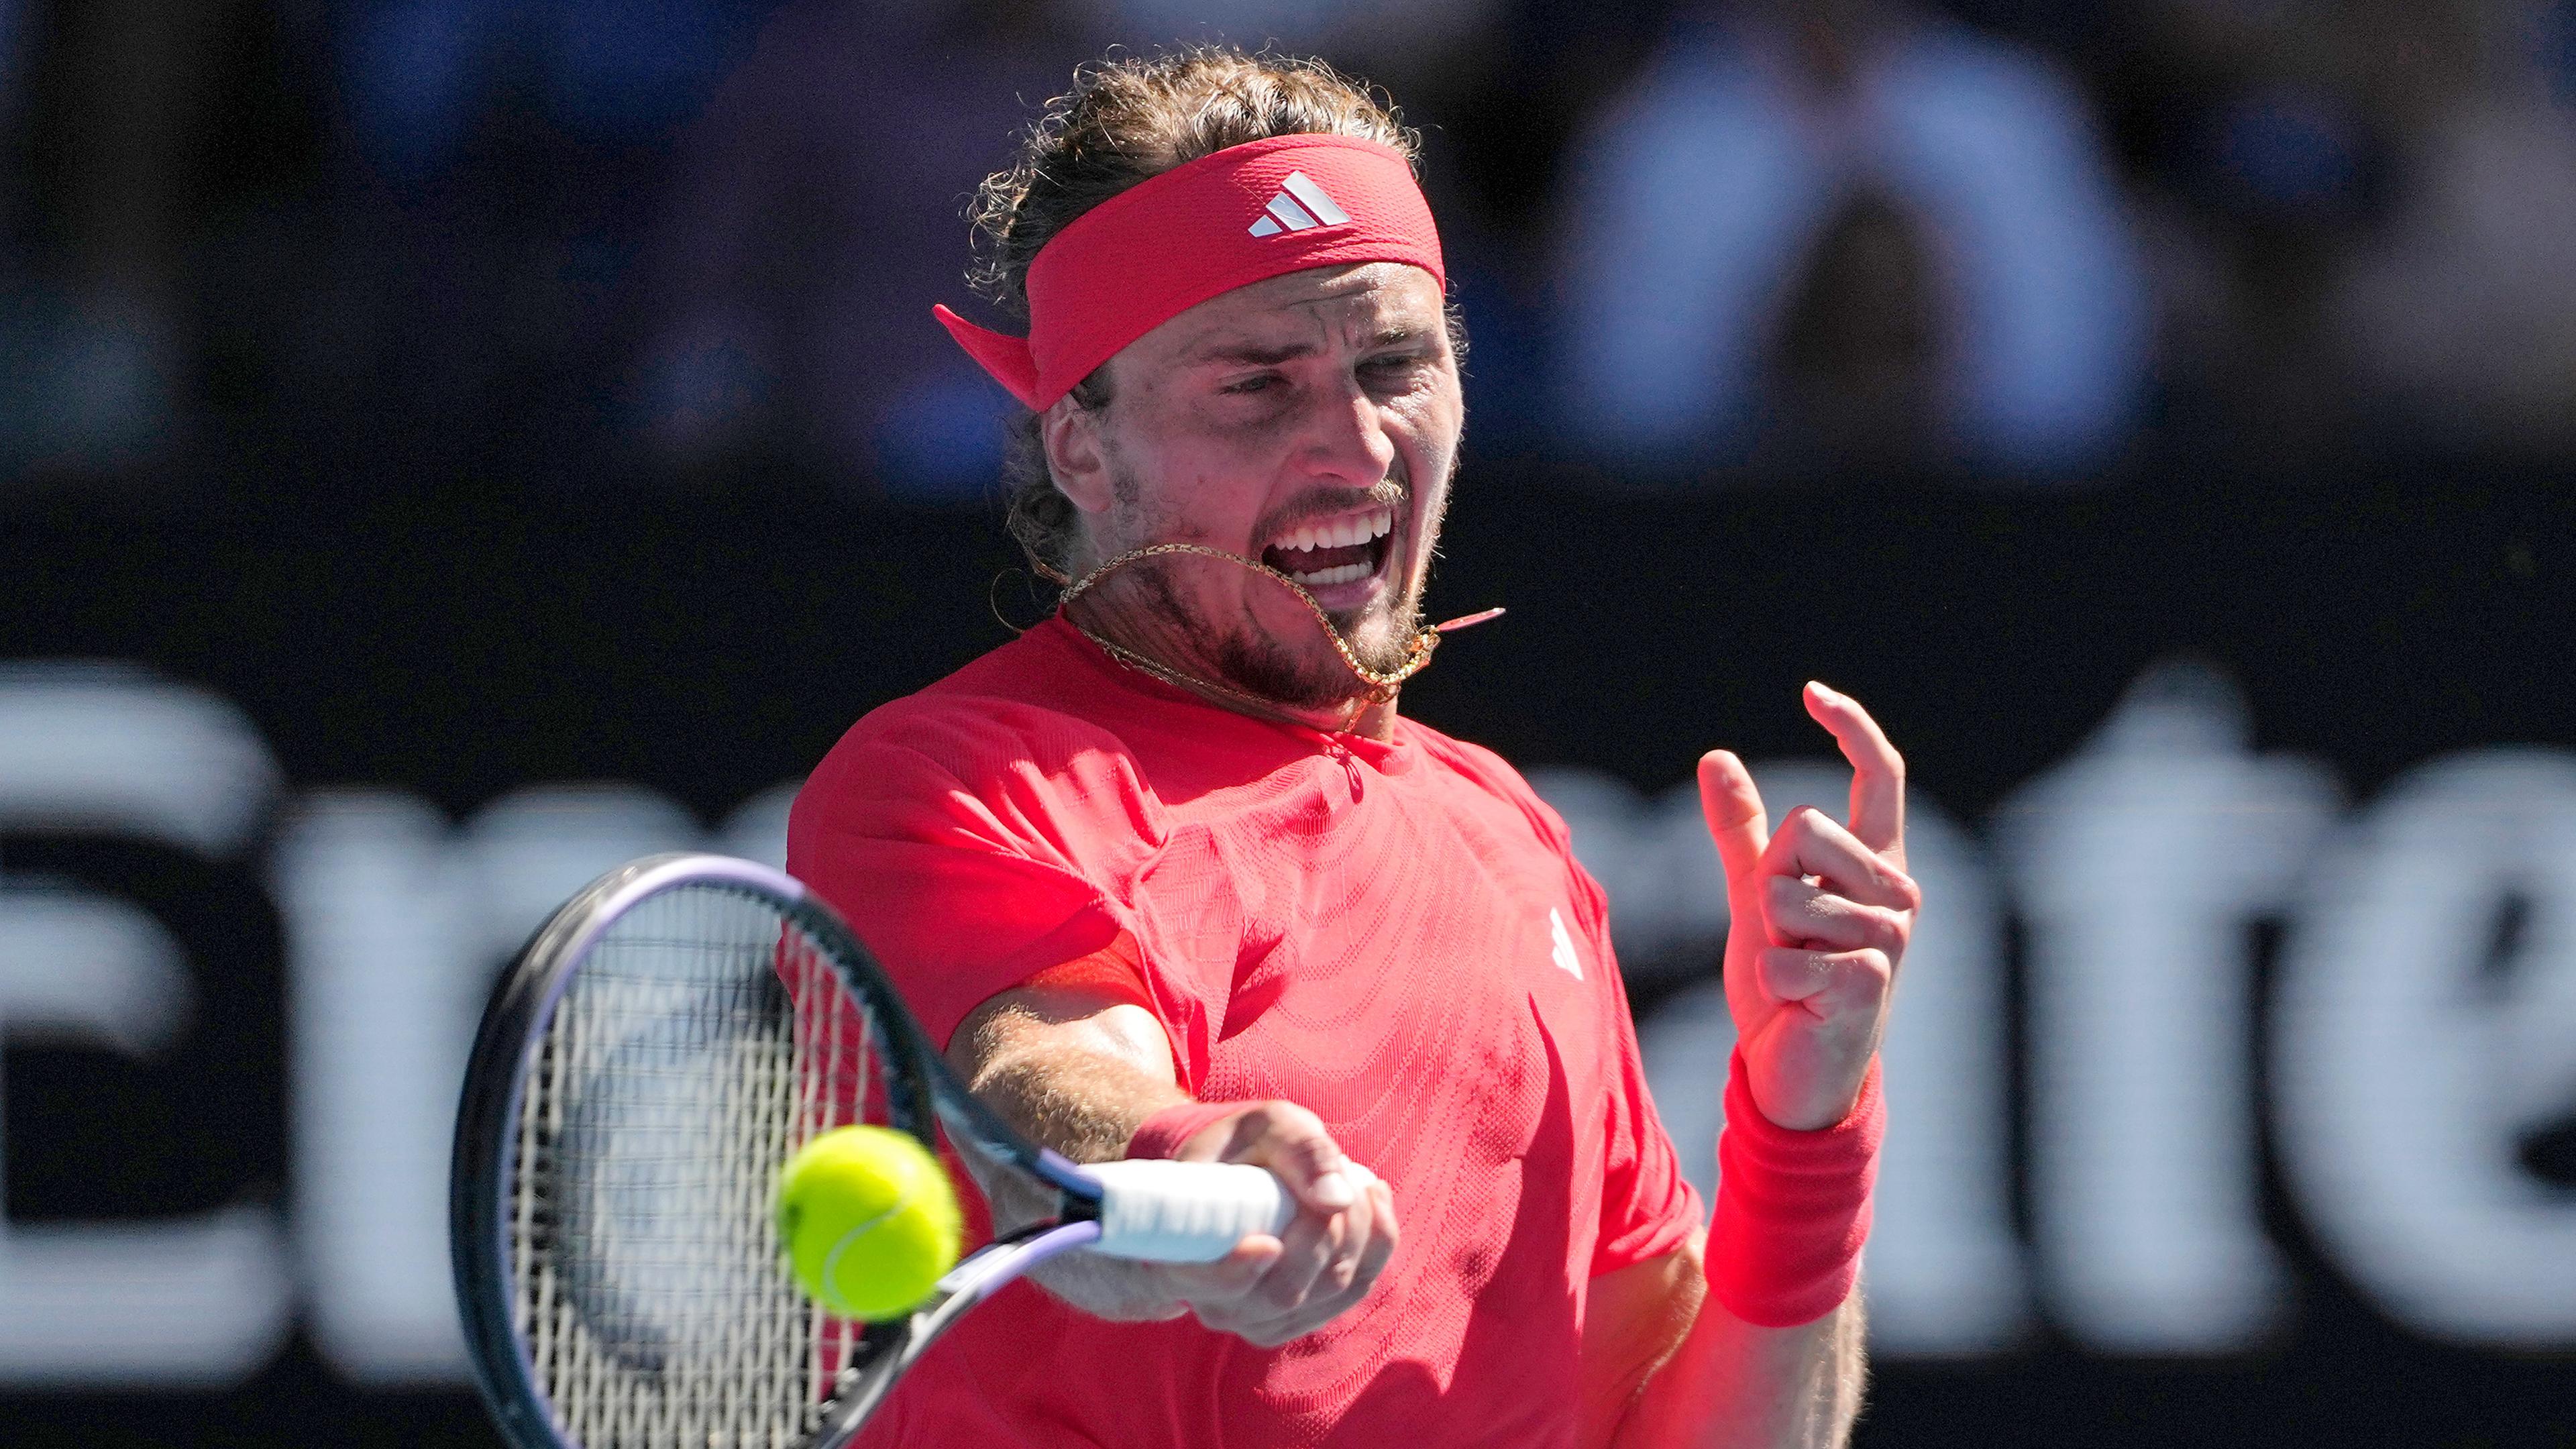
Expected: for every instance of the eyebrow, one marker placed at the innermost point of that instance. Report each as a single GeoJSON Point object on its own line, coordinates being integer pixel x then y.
{"type": "Point", "coordinates": [1250, 354]}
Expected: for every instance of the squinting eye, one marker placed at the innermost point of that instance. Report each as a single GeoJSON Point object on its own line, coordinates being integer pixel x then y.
{"type": "Point", "coordinates": [1253, 384]}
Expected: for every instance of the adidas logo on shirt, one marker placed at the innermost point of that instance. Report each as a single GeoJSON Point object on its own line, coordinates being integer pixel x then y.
{"type": "Point", "coordinates": [1561, 949]}
{"type": "Point", "coordinates": [1298, 205]}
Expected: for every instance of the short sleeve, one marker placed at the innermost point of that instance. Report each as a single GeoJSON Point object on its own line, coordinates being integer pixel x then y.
{"type": "Point", "coordinates": [958, 899]}
{"type": "Point", "coordinates": [1648, 1208]}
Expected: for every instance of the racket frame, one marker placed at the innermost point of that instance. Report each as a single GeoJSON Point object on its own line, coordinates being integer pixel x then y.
{"type": "Point", "coordinates": [920, 1086]}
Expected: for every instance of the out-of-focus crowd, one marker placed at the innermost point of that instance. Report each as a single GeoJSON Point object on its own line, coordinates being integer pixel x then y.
{"type": "Point", "coordinates": [1697, 243]}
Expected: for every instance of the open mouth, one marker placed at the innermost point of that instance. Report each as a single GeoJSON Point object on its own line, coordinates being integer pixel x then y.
{"type": "Point", "coordinates": [1323, 552]}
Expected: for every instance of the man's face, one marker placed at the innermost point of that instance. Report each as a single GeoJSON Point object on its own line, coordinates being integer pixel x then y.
{"type": "Point", "coordinates": [1310, 421]}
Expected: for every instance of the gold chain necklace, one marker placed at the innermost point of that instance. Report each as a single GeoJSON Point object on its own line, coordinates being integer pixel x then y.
{"type": "Point", "coordinates": [1382, 685]}
{"type": "Point", "coordinates": [1244, 699]}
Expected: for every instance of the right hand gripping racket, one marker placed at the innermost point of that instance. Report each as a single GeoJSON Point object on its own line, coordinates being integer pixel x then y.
{"type": "Point", "coordinates": [647, 1065]}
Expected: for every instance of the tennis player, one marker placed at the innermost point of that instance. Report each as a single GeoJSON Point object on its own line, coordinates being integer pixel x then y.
{"type": "Point", "coordinates": [1171, 876]}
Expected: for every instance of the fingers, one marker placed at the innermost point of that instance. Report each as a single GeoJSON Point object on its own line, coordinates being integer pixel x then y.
{"type": "Point", "coordinates": [1320, 1252]}
{"type": "Point", "coordinates": [1272, 1290]}
{"type": "Point", "coordinates": [1810, 843]}
{"type": "Point", "coordinates": [1827, 983]}
{"type": "Point", "coordinates": [1292, 1142]}
{"type": "Point", "coordinates": [1734, 812]}
{"type": "Point", "coordinates": [1798, 914]}
{"type": "Point", "coordinates": [1878, 772]}
{"type": "Point", "coordinates": [1358, 1235]}
{"type": "Point", "coordinates": [1232, 1276]}
{"type": "Point", "coordinates": [1306, 1246]}
{"type": "Point", "coordinates": [1379, 1248]}
{"type": "Point", "coordinates": [1319, 1270]}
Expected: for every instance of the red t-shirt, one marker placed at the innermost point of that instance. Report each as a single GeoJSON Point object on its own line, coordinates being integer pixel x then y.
{"type": "Point", "coordinates": [1394, 935]}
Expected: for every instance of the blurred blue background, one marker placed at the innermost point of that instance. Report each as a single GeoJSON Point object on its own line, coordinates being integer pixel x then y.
{"type": "Point", "coordinates": [1713, 243]}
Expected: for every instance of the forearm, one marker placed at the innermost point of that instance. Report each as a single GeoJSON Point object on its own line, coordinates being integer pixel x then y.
{"type": "Point", "coordinates": [1774, 1354]}
{"type": "Point", "coordinates": [1737, 1385]}
{"type": "Point", "coordinates": [1085, 1104]}
{"type": "Point", "coordinates": [1083, 1074]}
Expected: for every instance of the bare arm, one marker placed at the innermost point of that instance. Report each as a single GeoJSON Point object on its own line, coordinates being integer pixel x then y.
{"type": "Point", "coordinates": [1821, 914]}
{"type": "Point", "coordinates": [1076, 1071]}
{"type": "Point", "coordinates": [1665, 1366]}
{"type": "Point", "coordinates": [1079, 1070]}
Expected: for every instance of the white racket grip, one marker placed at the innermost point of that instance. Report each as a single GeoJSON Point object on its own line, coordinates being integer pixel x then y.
{"type": "Point", "coordinates": [1162, 1211]}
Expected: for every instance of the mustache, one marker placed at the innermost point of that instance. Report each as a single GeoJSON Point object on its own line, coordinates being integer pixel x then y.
{"type": "Point", "coordinates": [1387, 492]}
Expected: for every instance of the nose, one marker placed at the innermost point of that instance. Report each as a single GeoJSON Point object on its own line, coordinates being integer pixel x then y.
{"type": "Point", "coordinates": [1345, 438]}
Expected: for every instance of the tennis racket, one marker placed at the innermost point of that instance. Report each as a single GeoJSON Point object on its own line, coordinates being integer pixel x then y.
{"type": "Point", "coordinates": [657, 1051]}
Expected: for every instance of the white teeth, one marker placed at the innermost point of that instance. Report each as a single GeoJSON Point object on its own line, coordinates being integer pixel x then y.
{"type": "Point", "coordinates": [1340, 574]}
{"type": "Point", "coordinates": [1340, 532]}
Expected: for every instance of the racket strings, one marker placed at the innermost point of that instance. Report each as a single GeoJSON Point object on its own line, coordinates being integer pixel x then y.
{"type": "Point", "coordinates": [699, 1044]}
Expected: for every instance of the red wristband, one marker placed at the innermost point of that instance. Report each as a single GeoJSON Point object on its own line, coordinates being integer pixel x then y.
{"type": "Point", "coordinates": [1792, 1207]}
{"type": "Point", "coordinates": [1163, 1133]}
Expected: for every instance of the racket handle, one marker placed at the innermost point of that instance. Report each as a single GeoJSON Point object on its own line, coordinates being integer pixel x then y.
{"type": "Point", "coordinates": [1162, 1211]}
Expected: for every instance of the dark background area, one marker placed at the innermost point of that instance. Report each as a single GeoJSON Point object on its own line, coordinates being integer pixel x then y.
{"type": "Point", "coordinates": [707, 647]}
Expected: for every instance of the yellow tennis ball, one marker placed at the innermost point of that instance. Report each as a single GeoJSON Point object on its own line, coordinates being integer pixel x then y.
{"type": "Point", "coordinates": [868, 1220]}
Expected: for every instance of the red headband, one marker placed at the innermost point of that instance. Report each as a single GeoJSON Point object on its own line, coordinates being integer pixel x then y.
{"type": "Point", "coordinates": [1164, 245]}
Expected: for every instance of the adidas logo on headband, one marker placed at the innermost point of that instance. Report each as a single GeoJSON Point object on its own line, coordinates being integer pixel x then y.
{"type": "Point", "coordinates": [1298, 205]}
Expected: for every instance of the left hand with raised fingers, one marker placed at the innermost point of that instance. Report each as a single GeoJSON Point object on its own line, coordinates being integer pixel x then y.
{"type": "Point", "coordinates": [1820, 914]}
